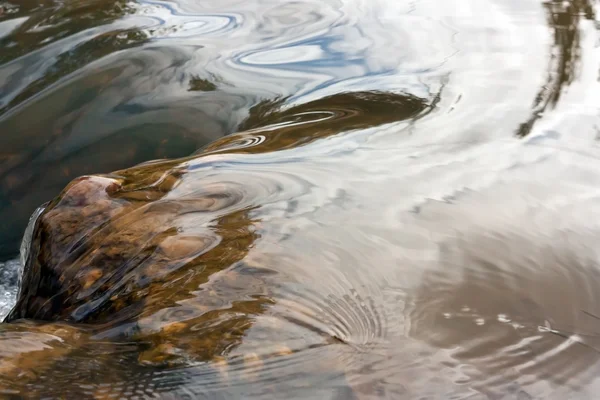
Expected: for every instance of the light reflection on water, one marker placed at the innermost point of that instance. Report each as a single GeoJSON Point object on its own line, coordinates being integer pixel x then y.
{"type": "Point", "coordinates": [407, 210]}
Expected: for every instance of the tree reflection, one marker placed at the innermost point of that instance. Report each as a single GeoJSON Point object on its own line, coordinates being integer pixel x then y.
{"type": "Point", "coordinates": [564, 17]}
{"type": "Point", "coordinates": [50, 21]}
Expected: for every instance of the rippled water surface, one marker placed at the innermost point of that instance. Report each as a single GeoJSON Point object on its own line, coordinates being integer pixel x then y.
{"type": "Point", "coordinates": [377, 199]}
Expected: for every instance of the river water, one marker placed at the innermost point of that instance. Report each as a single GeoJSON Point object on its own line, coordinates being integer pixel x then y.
{"type": "Point", "coordinates": [421, 178]}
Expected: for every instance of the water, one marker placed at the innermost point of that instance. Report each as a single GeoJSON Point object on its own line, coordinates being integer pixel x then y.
{"type": "Point", "coordinates": [8, 285]}
{"type": "Point", "coordinates": [407, 211]}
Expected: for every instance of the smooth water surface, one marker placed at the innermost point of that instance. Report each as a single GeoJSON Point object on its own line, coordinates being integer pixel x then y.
{"type": "Point", "coordinates": [410, 209]}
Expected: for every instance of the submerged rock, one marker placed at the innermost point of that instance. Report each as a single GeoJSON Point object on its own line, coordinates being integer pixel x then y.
{"type": "Point", "coordinates": [155, 259]}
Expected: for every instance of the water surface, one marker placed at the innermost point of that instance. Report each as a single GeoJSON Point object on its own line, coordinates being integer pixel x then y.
{"type": "Point", "coordinates": [411, 195]}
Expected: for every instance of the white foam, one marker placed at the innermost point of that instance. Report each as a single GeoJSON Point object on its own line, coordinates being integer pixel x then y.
{"type": "Point", "coordinates": [8, 285]}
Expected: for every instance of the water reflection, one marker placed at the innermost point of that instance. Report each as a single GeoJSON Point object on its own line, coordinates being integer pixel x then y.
{"type": "Point", "coordinates": [42, 26]}
{"type": "Point", "coordinates": [564, 17]}
{"type": "Point", "coordinates": [358, 220]}
{"type": "Point", "coordinates": [134, 77]}
{"type": "Point", "coordinates": [270, 128]}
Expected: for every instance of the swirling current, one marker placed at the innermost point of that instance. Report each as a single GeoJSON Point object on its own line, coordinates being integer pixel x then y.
{"type": "Point", "coordinates": [333, 199]}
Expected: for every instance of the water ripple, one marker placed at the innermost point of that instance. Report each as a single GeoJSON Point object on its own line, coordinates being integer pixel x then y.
{"type": "Point", "coordinates": [386, 199]}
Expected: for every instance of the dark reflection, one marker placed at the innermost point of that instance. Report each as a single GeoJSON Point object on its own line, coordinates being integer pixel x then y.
{"type": "Point", "coordinates": [305, 123]}
{"type": "Point", "coordinates": [198, 84]}
{"type": "Point", "coordinates": [28, 174]}
{"type": "Point", "coordinates": [92, 125]}
{"type": "Point", "coordinates": [78, 57]}
{"type": "Point", "coordinates": [36, 174]}
{"type": "Point", "coordinates": [564, 18]}
{"type": "Point", "coordinates": [50, 21]}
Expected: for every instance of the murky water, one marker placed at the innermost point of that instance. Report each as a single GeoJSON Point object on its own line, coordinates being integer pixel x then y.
{"type": "Point", "coordinates": [407, 210]}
